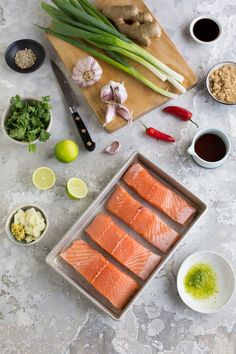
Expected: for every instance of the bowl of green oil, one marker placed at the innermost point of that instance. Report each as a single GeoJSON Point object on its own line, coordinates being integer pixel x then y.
{"type": "Point", "coordinates": [205, 282]}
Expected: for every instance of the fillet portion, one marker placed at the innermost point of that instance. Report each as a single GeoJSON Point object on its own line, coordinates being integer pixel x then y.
{"type": "Point", "coordinates": [122, 246]}
{"type": "Point", "coordinates": [157, 194]}
{"type": "Point", "coordinates": [141, 219]}
{"type": "Point", "coordinates": [107, 279]}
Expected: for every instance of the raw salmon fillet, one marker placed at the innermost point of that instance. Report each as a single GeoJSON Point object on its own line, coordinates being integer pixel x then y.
{"type": "Point", "coordinates": [141, 219]}
{"type": "Point", "coordinates": [157, 194]}
{"type": "Point", "coordinates": [122, 246]}
{"type": "Point", "coordinates": [107, 279]}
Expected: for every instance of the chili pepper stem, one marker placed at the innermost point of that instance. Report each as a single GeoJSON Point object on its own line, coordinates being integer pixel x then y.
{"type": "Point", "coordinates": [194, 123]}
{"type": "Point", "coordinates": [144, 125]}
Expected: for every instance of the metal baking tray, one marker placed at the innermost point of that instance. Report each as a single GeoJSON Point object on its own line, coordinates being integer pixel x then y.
{"type": "Point", "coordinates": [77, 232]}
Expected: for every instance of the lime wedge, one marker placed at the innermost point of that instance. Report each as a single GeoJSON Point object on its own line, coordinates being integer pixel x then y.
{"type": "Point", "coordinates": [76, 188]}
{"type": "Point", "coordinates": [43, 178]}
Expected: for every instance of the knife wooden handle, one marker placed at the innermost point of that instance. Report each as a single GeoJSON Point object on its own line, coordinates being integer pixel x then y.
{"type": "Point", "coordinates": [89, 144]}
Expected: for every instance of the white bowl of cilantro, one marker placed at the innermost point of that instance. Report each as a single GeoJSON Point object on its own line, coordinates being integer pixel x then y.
{"type": "Point", "coordinates": [26, 225]}
{"type": "Point", "coordinates": [28, 121]}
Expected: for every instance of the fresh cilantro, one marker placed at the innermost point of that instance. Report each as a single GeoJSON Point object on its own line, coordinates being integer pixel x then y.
{"type": "Point", "coordinates": [32, 147]}
{"type": "Point", "coordinates": [28, 120]}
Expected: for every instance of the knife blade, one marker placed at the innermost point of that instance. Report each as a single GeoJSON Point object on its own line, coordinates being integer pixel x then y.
{"type": "Point", "coordinates": [72, 102]}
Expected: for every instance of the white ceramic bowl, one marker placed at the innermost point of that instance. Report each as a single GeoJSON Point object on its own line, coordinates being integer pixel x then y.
{"type": "Point", "coordinates": [200, 18]}
{"type": "Point", "coordinates": [5, 116]}
{"type": "Point", "coordinates": [208, 164]}
{"type": "Point", "coordinates": [217, 66]}
{"type": "Point", "coordinates": [225, 282]}
{"type": "Point", "coordinates": [10, 221]}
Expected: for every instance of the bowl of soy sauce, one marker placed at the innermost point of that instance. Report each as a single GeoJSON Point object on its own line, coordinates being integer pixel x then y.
{"type": "Point", "coordinates": [210, 147]}
{"type": "Point", "coordinates": [205, 29]}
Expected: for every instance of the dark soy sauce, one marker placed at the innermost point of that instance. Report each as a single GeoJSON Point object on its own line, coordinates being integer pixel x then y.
{"type": "Point", "coordinates": [210, 147]}
{"type": "Point", "coordinates": [206, 30]}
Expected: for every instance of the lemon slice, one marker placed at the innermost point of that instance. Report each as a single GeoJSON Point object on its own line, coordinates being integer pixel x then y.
{"type": "Point", "coordinates": [76, 188]}
{"type": "Point", "coordinates": [43, 178]}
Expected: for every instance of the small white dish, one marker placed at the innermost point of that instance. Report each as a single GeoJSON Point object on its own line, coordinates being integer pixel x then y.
{"type": "Point", "coordinates": [208, 164]}
{"type": "Point", "coordinates": [5, 116]}
{"type": "Point", "coordinates": [195, 20]}
{"type": "Point", "coordinates": [225, 282]}
{"type": "Point", "coordinates": [10, 221]}
{"type": "Point", "coordinates": [217, 66]}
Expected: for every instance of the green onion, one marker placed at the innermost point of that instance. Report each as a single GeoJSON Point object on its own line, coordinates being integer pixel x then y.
{"type": "Point", "coordinates": [135, 57]}
{"type": "Point", "coordinates": [123, 41]}
{"type": "Point", "coordinates": [78, 14]}
{"type": "Point", "coordinates": [128, 69]}
{"type": "Point", "coordinates": [92, 10]}
{"type": "Point", "coordinates": [68, 30]}
{"type": "Point", "coordinates": [81, 19]}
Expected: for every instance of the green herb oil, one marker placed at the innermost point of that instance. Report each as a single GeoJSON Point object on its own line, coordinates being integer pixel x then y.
{"type": "Point", "coordinates": [201, 281]}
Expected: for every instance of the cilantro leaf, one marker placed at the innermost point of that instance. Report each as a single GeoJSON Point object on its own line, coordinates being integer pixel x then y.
{"type": "Point", "coordinates": [44, 136]}
{"type": "Point", "coordinates": [32, 147]}
{"type": "Point", "coordinates": [28, 120]}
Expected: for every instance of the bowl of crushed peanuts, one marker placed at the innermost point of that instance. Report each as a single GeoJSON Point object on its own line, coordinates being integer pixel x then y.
{"type": "Point", "coordinates": [26, 225]}
{"type": "Point", "coordinates": [25, 55]}
{"type": "Point", "coordinates": [221, 83]}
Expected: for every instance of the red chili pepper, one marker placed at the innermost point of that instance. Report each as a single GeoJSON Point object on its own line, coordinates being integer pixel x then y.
{"type": "Point", "coordinates": [181, 113]}
{"type": "Point", "coordinates": [156, 134]}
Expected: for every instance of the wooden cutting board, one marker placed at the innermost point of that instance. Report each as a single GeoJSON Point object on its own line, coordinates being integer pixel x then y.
{"type": "Point", "coordinates": [141, 99]}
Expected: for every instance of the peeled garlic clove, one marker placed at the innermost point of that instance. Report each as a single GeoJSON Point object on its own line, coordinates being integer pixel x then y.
{"type": "Point", "coordinates": [87, 71]}
{"type": "Point", "coordinates": [106, 93]}
{"type": "Point", "coordinates": [110, 113]}
{"type": "Point", "coordinates": [119, 93]}
{"type": "Point", "coordinates": [124, 112]}
{"type": "Point", "coordinates": [113, 148]}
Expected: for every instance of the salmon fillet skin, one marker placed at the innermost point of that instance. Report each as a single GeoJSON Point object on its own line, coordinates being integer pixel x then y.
{"type": "Point", "coordinates": [141, 219]}
{"type": "Point", "coordinates": [106, 278]}
{"type": "Point", "coordinates": [122, 246]}
{"type": "Point", "coordinates": [158, 195]}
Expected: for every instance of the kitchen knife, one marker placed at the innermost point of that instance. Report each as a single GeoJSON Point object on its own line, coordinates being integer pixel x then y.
{"type": "Point", "coordinates": [72, 102]}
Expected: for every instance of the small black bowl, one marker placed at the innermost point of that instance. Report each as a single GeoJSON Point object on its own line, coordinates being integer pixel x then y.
{"type": "Point", "coordinates": [21, 44]}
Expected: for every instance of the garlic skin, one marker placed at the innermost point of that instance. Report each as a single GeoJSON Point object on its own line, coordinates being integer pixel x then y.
{"type": "Point", "coordinates": [87, 71]}
{"type": "Point", "coordinates": [113, 148]}
{"type": "Point", "coordinates": [114, 91]}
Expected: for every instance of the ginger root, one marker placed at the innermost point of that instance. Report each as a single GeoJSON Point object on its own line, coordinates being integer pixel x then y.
{"type": "Point", "coordinates": [134, 23]}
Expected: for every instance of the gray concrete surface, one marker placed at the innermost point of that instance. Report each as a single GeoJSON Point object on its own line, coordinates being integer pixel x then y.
{"type": "Point", "coordinates": [39, 311]}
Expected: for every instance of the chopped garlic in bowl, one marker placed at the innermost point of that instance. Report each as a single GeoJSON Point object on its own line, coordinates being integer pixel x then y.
{"type": "Point", "coordinates": [26, 225]}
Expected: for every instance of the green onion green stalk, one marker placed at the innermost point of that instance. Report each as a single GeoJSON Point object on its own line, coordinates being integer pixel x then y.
{"type": "Point", "coordinates": [79, 19]}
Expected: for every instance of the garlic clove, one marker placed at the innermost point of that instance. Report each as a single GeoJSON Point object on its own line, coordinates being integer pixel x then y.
{"type": "Point", "coordinates": [119, 93]}
{"type": "Point", "coordinates": [115, 91]}
{"type": "Point", "coordinates": [113, 148]}
{"type": "Point", "coordinates": [106, 93]}
{"type": "Point", "coordinates": [110, 113]}
{"type": "Point", "coordinates": [87, 71]}
{"type": "Point", "coordinates": [124, 112]}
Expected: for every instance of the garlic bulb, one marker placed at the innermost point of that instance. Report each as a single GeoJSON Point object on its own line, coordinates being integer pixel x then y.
{"type": "Point", "coordinates": [114, 91]}
{"type": "Point", "coordinates": [87, 71]}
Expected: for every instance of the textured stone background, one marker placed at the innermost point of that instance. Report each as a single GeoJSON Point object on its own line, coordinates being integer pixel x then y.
{"type": "Point", "coordinates": [39, 311]}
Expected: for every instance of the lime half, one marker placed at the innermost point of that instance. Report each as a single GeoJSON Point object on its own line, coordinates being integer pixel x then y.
{"type": "Point", "coordinates": [43, 178]}
{"type": "Point", "coordinates": [76, 188]}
